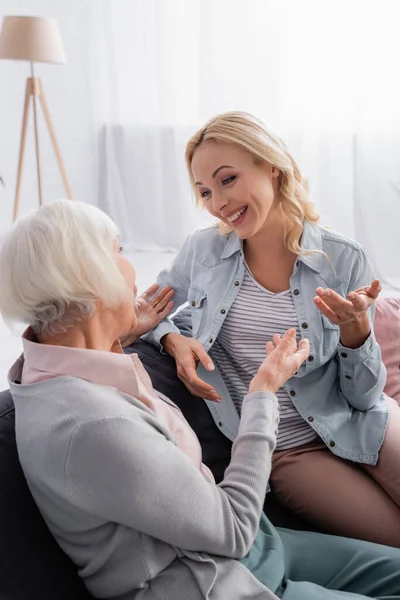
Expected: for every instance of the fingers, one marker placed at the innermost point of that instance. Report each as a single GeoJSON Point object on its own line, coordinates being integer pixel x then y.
{"type": "Point", "coordinates": [288, 341]}
{"type": "Point", "coordinates": [334, 301]}
{"type": "Point", "coordinates": [269, 347]}
{"type": "Point", "coordinates": [164, 313]}
{"type": "Point", "coordinates": [159, 303]}
{"type": "Point", "coordinates": [162, 298]}
{"type": "Point", "coordinates": [276, 339]}
{"type": "Point", "coordinates": [359, 301]}
{"type": "Point", "coordinates": [158, 300]}
{"type": "Point", "coordinates": [203, 357]}
{"type": "Point", "coordinates": [326, 311]}
{"type": "Point", "coordinates": [187, 373]}
{"type": "Point", "coordinates": [150, 292]}
{"type": "Point", "coordinates": [372, 291]}
{"type": "Point", "coordinates": [302, 353]}
{"type": "Point", "coordinates": [375, 289]}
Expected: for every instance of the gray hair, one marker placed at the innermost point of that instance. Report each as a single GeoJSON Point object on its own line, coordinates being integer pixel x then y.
{"type": "Point", "coordinates": [56, 263]}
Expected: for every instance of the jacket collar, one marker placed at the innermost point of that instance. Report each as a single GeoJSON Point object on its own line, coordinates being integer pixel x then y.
{"type": "Point", "coordinates": [311, 239]}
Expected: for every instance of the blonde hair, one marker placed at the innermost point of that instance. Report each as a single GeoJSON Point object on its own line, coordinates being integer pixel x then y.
{"type": "Point", "coordinates": [56, 263]}
{"type": "Point", "coordinates": [252, 135]}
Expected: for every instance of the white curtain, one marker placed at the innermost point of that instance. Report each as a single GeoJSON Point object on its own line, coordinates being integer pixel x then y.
{"type": "Point", "coordinates": [322, 73]}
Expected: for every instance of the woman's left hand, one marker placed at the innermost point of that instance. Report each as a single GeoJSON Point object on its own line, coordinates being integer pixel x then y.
{"type": "Point", "coordinates": [350, 314]}
{"type": "Point", "coordinates": [151, 308]}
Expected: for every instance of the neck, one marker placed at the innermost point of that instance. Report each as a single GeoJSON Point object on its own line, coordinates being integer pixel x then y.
{"type": "Point", "coordinates": [99, 332]}
{"type": "Point", "coordinates": [270, 239]}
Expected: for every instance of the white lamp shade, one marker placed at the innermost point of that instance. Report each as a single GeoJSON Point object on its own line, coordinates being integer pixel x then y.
{"type": "Point", "coordinates": [31, 38]}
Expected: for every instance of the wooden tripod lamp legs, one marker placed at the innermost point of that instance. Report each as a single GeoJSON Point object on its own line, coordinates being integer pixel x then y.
{"type": "Point", "coordinates": [50, 127]}
{"type": "Point", "coordinates": [22, 147]}
{"type": "Point", "coordinates": [34, 89]}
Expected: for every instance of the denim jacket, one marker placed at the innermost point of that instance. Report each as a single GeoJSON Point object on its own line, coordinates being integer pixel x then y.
{"type": "Point", "coordinates": [338, 390]}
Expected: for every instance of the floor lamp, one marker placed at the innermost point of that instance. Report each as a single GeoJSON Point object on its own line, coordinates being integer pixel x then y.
{"type": "Point", "coordinates": [34, 39]}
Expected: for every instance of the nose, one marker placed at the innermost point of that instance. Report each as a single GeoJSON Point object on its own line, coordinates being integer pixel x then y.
{"type": "Point", "coordinates": [219, 201]}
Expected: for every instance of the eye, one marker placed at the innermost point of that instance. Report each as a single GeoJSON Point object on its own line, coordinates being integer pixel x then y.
{"type": "Point", "coordinates": [228, 180]}
{"type": "Point", "coordinates": [204, 193]}
{"type": "Point", "coordinates": [121, 249]}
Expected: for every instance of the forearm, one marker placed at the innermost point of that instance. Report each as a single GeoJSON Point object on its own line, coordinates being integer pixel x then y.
{"type": "Point", "coordinates": [183, 321]}
{"type": "Point", "coordinates": [362, 373]}
{"type": "Point", "coordinates": [155, 335]}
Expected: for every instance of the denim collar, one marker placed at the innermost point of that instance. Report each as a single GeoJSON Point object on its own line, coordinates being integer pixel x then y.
{"type": "Point", "coordinates": [311, 239]}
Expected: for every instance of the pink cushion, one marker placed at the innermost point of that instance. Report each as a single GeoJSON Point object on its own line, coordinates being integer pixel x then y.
{"type": "Point", "coordinates": [387, 332]}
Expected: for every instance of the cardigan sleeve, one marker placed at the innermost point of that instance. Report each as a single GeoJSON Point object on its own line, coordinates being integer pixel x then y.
{"type": "Point", "coordinates": [125, 470]}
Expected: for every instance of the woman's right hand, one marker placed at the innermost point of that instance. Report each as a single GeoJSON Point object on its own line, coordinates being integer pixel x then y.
{"type": "Point", "coordinates": [187, 352]}
{"type": "Point", "coordinates": [284, 358]}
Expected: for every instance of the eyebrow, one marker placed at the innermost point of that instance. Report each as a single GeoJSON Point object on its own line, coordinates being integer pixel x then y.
{"type": "Point", "coordinates": [216, 172]}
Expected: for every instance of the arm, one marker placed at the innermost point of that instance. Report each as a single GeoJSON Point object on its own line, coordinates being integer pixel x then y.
{"type": "Point", "coordinates": [362, 372]}
{"type": "Point", "coordinates": [183, 321]}
{"type": "Point", "coordinates": [123, 470]}
{"type": "Point", "coordinates": [178, 278]}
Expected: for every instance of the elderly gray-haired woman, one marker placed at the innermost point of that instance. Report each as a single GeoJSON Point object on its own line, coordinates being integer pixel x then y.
{"type": "Point", "coordinates": [114, 467]}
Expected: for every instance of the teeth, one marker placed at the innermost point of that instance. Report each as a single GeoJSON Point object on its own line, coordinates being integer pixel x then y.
{"type": "Point", "coordinates": [234, 217]}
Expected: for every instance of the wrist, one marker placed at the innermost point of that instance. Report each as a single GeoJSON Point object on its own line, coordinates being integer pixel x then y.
{"type": "Point", "coordinates": [355, 333]}
{"type": "Point", "coordinates": [261, 386]}
{"type": "Point", "coordinates": [167, 342]}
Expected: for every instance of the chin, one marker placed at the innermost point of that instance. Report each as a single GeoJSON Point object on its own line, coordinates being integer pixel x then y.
{"type": "Point", "coordinates": [245, 234]}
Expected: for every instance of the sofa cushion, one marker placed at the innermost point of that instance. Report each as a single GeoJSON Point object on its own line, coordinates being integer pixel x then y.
{"type": "Point", "coordinates": [387, 332]}
{"type": "Point", "coordinates": [32, 565]}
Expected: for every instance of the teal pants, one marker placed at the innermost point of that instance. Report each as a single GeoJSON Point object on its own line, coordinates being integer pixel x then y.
{"type": "Point", "coordinates": [299, 565]}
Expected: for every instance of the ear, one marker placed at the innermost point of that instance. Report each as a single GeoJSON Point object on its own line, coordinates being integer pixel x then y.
{"type": "Point", "coordinates": [275, 172]}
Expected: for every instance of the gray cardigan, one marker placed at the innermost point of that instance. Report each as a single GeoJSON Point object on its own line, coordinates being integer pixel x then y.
{"type": "Point", "coordinates": [129, 508]}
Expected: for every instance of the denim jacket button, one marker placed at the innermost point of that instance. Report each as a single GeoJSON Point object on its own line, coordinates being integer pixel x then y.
{"type": "Point", "coordinates": [311, 419]}
{"type": "Point", "coordinates": [223, 311]}
{"type": "Point", "coordinates": [304, 325]}
{"type": "Point", "coordinates": [296, 292]}
{"type": "Point", "coordinates": [310, 358]}
{"type": "Point", "coordinates": [332, 444]}
{"type": "Point", "coordinates": [193, 303]}
{"type": "Point", "coordinates": [348, 376]}
{"type": "Point", "coordinates": [211, 340]}
{"type": "Point", "coordinates": [236, 283]}
{"type": "Point", "coordinates": [343, 354]}
{"type": "Point", "coordinates": [292, 393]}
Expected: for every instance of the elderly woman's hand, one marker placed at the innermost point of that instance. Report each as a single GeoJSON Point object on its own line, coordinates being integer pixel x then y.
{"type": "Point", "coordinates": [284, 358]}
{"type": "Point", "coordinates": [151, 308]}
{"type": "Point", "coordinates": [350, 314]}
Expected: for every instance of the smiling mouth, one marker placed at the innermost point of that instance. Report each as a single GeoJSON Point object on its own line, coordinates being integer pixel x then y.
{"type": "Point", "coordinates": [233, 218]}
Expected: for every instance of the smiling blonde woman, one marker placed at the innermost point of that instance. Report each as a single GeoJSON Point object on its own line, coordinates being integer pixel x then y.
{"type": "Point", "coordinates": [266, 267]}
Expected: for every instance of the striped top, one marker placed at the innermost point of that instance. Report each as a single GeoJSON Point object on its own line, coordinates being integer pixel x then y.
{"type": "Point", "coordinates": [255, 316]}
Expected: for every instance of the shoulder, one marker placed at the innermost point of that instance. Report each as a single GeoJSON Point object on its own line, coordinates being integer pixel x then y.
{"type": "Point", "coordinates": [75, 400]}
{"type": "Point", "coordinates": [51, 418]}
{"type": "Point", "coordinates": [207, 246]}
{"type": "Point", "coordinates": [335, 240]}
{"type": "Point", "coordinates": [336, 246]}
{"type": "Point", "coordinates": [335, 258]}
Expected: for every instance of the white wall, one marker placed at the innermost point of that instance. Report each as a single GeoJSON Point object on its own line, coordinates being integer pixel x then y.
{"type": "Point", "coordinates": [70, 104]}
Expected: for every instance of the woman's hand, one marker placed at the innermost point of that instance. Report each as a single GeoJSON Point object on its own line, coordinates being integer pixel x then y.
{"type": "Point", "coordinates": [284, 358]}
{"type": "Point", "coordinates": [151, 308]}
{"type": "Point", "coordinates": [187, 352]}
{"type": "Point", "coordinates": [350, 314]}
